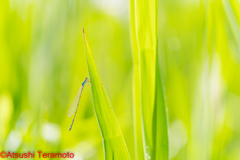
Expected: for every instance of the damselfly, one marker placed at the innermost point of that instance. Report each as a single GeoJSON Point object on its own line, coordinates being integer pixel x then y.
{"type": "Point", "coordinates": [75, 103]}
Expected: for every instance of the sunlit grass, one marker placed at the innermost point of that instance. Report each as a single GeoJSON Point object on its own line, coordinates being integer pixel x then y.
{"type": "Point", "coordinates": [114, 144]}
{"type": "Point", "coordinates": [195, 76]}
{"type": "Point", "coordinates": [150, 105]}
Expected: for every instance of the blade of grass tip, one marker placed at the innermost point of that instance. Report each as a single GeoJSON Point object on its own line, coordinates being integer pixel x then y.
{"type": "Point", "coordinates": [137, 117]}
{"type": "Point", "coordinates": [112, 137]}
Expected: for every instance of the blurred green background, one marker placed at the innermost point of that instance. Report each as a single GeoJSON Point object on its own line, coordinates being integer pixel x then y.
{"type": "Point", "coordinates": [42, 66]}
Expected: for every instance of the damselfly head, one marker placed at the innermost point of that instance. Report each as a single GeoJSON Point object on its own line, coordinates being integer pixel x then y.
{"type": "Point", "coordinates": [87, 80]}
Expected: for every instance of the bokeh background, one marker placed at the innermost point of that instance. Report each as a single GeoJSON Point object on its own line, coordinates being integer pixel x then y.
{"type": "Point", "coordinates": [42, 66]}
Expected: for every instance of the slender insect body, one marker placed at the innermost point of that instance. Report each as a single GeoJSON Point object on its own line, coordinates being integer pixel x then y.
{"type": "Point", "coordinates": [75, 102]}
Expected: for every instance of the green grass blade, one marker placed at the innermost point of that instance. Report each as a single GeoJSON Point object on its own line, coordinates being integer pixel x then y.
{"type": "Point", "coordinates": [160, 123]}
{"type": "Point", "coordinates": [146, 26]}
{"type": "Point", "coordinates": [137, 117]}
{"type": "Point", "coordinates": [154, 112]}
{"type": "Point", "coordinates": [114, 144]}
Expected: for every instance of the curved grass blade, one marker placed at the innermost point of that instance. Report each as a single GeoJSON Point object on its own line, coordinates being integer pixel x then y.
{"type": "Point", "coordinates": [112, 137]}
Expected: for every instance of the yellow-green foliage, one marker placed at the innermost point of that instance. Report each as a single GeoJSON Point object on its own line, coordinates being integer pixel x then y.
{"type": "Point", "coordinates": [182, 55]}
{"type": "Point", "coordinates": [149, 102]}
{"type": "Point", "coordinates": [114, 145]}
